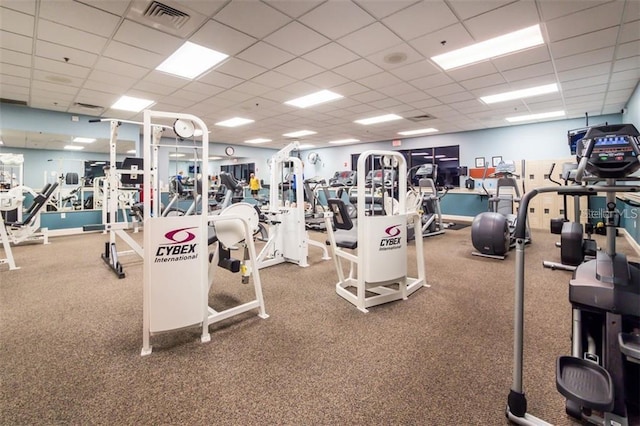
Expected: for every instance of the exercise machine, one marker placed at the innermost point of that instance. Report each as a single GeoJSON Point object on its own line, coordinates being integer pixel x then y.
{"type": "Point", "coordinates": [375, 245]}
{"type": "Point", "coordinates": [285, 219]}
{"type": "Point", "coordinates": [180, 254]}
{"type": "Point", "coordinates": [574, 248]}
{"type": "Point", "coordinates": [492, 232]}
{"type": "Point", "coordinates": [429, 198]}
{"type": "Point", "coordinates": [600, 378]}
{"type": "Point", "coordinates": [26, 229]}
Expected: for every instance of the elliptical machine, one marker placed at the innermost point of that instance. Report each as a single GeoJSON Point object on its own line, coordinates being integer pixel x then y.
{"type": "Point", "coordinates": [492, 232]}
{"type": "Point", "coordinates": [601, 375]}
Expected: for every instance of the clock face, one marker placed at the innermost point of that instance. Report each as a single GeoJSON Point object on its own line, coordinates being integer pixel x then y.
{"type": "Point", "coordinates": [229, 150]}
{"type": "Point", "coordinates": [184, 128]}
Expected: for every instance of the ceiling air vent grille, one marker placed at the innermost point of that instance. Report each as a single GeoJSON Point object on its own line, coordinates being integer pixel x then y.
{"type": "Point", "coordinates": [12, 101]}
{"type": "Point", "coordinates": [87, 106]}
{"type": "Point", "coordinates": [423, 117]}
{"type": "Point", "coordinates": [166, 15]}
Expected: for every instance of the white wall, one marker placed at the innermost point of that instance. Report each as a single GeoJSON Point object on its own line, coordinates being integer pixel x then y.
{"type": "Point", "coordinates": [537, 141]}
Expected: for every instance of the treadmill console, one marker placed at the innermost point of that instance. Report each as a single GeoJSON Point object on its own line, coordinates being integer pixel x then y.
{"type": "Point", "coordinates": [613, 151]}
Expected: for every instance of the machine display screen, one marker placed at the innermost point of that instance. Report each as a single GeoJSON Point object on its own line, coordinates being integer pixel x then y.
{"type": "Point", "coordinates": [612, 140]}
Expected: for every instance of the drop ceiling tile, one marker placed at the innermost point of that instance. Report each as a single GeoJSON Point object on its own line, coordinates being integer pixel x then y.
{"type": "Point", "coordinates": [293, 8]}
{"type": "Point", "coordinates": [219, 79]}
{"type": "Point", "coordinates": [116, 7]}
{"type": "Point", "coordinates": [52, 104]}
{"type": "Point", "coordinates": [486, 81]}
{"type": "Point", "coordinates": [472, 71]}
{"type": "Point", "coordinates": [385, 103]}
{"type": "Point", "coordinates": [14, 80]}
{"type": "Point", "coordinates": [79, 16]}
{"type": "Point", "coordinates": [239, 68]}
{"type": "Point", "coordinates": [222, 38]}
{"type": "Point", "coordinates": [59, 34]}
{"type": "Point", "coordinates": [585, 59]}
{"type": "Point", "coordinates": [584, 72]}
{"type": "Point", "coordinates": [445, 40]}
{"type": "Point", "coordinates": [416, 70]}
{"type": "Point", "coordinates": [156, 89]}
{"type": "Point", "coordinates": [517, 60]}
{"type": "Point", "coordinates": [58, 89]}
{"type": "Point", "coordinates": [273, 79]}
{"type": "Point", "coordinates": [380, 9]}
{"type": "Point", "coordinates": [625, 75]}
{"type": "Point", "coordinates": [596, 18]}
{"type": "Point", "coordinates": [469, 106]}
{"type": "Point", "coordinates": [420, 19]}
{"type": "Point", "coordinates": [48, 50]}
{"type": "Point", "coordinates": [628, 49]}
{"type": "Point", "coordinates": [93, 97]}
{"type": "Point", "coordinates": [512, 17]}
{"type": "Point", "coordinates": [299, 69]}
{"type": "Point", "coordinates": [351, 88]}
{"type": "Point", "coordinates": [400, 88]}
{"type": "Point", "coordinates": [446, 89]}
{"type": "Point", "coordinates": [625, 84]}
{"type": "Point", "coordinates": [16, 22]}
{"type": "Point", "coordinates": [265, 55]}
{"type": "Point", "coordinates": [584, 43]}
{"type": "Point", "coordinates": [14, 70]}
{"type": "Point", "coordinates": [370, 39]}
{"type": "Point", "coordinates": [120, 68]}
{"type": "Point", "coordinates": [378, 81]}
{"type": "Point", "coordinates": [152, 40]}
{"type": "Point", "coordinates": [412, 96]}
{"type": "Point", "coordinates": [428, 82]}
{"type": "Point", "coordinates": [14, 92]}
{"type": "Point", "coordinates": [253, 18]}
{"type": "Point", "coordinates": [60, 67]}
{"type": "Point", "coordinates": [358, 69]}
{"type": "Point", "coordinates": [330, 56]}
{"type": "Point", "coordinates": [530, 71]}
{"type": "Point", "coordinates": [16, 42]}
{"type": "Point", "coordinates": [395, 57]}
{"type": "Point", "coordinates": [630, 32]}
{"type": "Point", "coordinates": [326, 80]}
{"type": "Point", "coordinates": [554, 9]}
{"type": "Point", "coordinates": [14, 58]}
{"type": "Point", "coordinates": [618, 96]}
{"type": "Point", "coordinates": [24, 6]}
{"type": "Point", "coordinates": [296, 38]}
{"type": "Point", "coordinates": [466, 9]}
{"type": "Point", "coordinates": [568, 86]}
{"type": "Point", "coordinates": [252, 88]}
{"type": "Point", "coordinates": [366, 97]}
{"type": "Point", "coordinates": [573, 100]}
{"type": "Point", "coordinates": [336, 18]}
{"type": "Point", "coordinates": [126, 53]}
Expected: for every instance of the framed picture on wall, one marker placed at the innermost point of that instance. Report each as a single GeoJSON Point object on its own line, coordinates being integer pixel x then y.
{"type": "Point", "coordinates": [496, 160]}
{"type": "Point", "coordinates": [479, 162]}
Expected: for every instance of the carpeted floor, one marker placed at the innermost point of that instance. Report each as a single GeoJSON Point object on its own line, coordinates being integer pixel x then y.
{"type": "Point", "coordinates": [71, 334]}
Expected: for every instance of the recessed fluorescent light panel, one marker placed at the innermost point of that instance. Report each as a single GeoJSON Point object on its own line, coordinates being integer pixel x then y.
{"type": "Point", "coordinates": [131, 151]}
{"type": "Point", "coordinates": [314, 99]}
{"type": "Point", "coordinates": [344, 141]}
{"type": "Point", "coordinates": [128, 103]}
{"type": "Point", "coordinates": [84, 140]}
{"type": "Point", "coordinates": [540, 116]}
{"type": "Point", "coordinates": [257, 140]}
{"type": "Point", "coordinates": [191, 60]}
{"type": "Point", "coordinates": [178, 155]}
{"type": "Point", "coordinates": [215, 157]}
{"type": "Point", "coordinates": [502, 45]}
{"type": "Point", "coordinates": [299, 133]}
{"type": "Point", "coordinates": [417, 131]}
{"type": "Point", "coordinates": [520, 94]}
{"type": "Point", "coordinates": [378, 119]}
{"type": "Point", "coordinates": [306, 146]}
{"type": "Point", "coordinates": [73, 147]}
{"type": "Point", "coordinates": [234, 122]}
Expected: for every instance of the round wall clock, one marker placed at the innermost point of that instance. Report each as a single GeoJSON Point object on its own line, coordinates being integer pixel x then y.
{"type": "Point", "coordinates": [229, 151]}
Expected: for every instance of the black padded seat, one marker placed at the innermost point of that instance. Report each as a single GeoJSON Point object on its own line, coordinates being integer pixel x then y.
{"type": "Point", "coordinates": [346, 233]}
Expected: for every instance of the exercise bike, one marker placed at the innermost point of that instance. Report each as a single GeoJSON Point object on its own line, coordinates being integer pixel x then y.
{"type": "Point", "coordinates": [492, 232]}
{"type": "Point", "coordinates": [600, 378]}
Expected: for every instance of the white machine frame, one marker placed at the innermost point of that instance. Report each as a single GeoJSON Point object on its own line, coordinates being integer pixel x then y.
{"type": "Point", "coordinates": [177, 274]}
{"type": "Point", "coordinates": [381, 258]}
{"type": "Point", "coordinates": [288, 238]}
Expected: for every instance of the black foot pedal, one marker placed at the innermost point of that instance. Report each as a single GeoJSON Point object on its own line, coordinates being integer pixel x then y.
{"type": "Point", "coordinates": [585, 383]}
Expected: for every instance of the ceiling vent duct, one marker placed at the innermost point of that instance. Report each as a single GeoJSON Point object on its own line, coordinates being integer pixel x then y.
{"type": "Point", "coordinates": [87, 106]}
{"type": "Point", "coordinates": [166, 15]}
{"type": "Point", "coordinates": [421, 118]}
{"type": "Point", "coordinates": [170, 16]}
{"type": "Point", "coordinates": [12, 101]}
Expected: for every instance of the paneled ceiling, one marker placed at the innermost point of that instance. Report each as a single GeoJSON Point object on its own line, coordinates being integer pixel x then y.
{"type": "Point", "coordinates": [81, 56]}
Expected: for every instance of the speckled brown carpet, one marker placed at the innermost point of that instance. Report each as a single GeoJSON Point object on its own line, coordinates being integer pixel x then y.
{"type": "Point", "coordinates": [71, 334]}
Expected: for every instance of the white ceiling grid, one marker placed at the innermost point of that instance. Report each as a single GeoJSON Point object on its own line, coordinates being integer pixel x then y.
{"type": "Point", "coordinates": [373, 52]}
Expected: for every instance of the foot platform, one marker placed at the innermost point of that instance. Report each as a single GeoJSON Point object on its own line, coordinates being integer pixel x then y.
{"type": "Point", "coordinates": [585, 383]}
